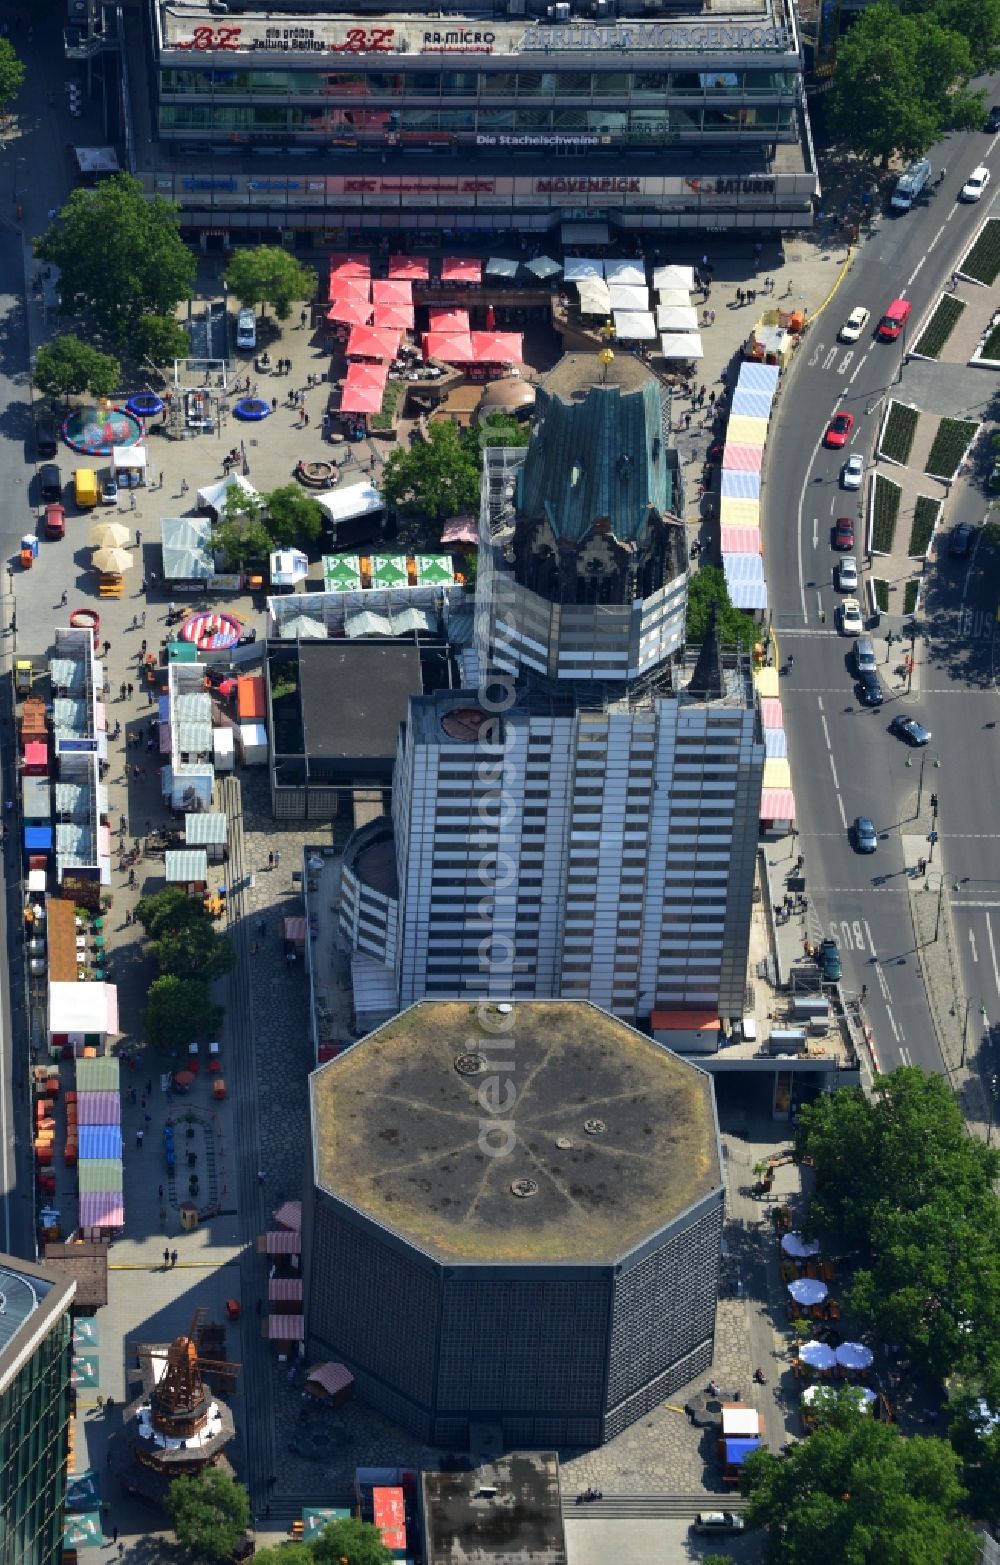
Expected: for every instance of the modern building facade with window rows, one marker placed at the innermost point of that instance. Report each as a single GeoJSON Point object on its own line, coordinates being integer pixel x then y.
{"type": "Point", "coordinates": [481, 116]}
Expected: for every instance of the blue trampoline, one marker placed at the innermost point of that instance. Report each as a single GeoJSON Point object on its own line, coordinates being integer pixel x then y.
{"type": "Point", "coordinates": [145, 404]}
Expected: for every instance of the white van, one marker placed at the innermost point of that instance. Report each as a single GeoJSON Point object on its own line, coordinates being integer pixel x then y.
{"type": "Point", "coordinates": [910, 184]}
{"type": "Point", "coordinates": [246, 330]}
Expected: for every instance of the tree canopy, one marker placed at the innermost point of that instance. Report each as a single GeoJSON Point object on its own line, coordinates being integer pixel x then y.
{"type": "Point", "coordinates": [975, 1437]}
{"type": "Point", "coordinates": [160, 339]}
{"type": "Point", "coordinates": [858, 1491]}
{"type": "Point", "coordinates": [350, 1542]}
{"type": "Point", "coordinates": [120, 256]}
{"type": "Point", "coordinates": [902, 75]}
{"type": "Point", "coordinates": [269, 275]}
{"type": "Point", "coordinates": [733, 627]}
{"type": "Point", "coordinates": [67, 367]}
{"type": "Point", "coordinates": [12, 74]}
{"type": "Point", "coordinates": [209, 1513]}
{"type": "Point", "coordinates": [179, 1010]}
{"type": "Point", "coordinates": [293, 517]}
{"type": "Point", "coordinates": [182, 936]}
{"type": "Point", "coordinates": [898, 1179]}
{"type": "Point", "coordinates": [438, 477]}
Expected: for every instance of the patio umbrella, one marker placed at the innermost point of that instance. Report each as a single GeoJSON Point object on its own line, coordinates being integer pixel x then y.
{"type": "Point", "coordinates": [793, 1244]}
{"type": "Point", "coordinates": [854, 1355]}
{"type": "Point", "coordinates": [814, 1396]}
{"type": "Point", "coordinates": [351, 312]}
{"type": "Point", "coordinates": [109, 535]}
{"type": "Point", "coordinates": [113, 561]}
{"type": "Point", "coordinates": [301, 628]}
{"type": "Point", "coordinates": [808, 1290]}
{"type": "Point", "coordinates": [817, 1355]}
{"type": "Point", "coordinates": [543, 266]}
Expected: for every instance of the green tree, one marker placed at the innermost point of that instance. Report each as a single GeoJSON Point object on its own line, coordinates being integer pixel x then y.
{"type": "Point", "coordinates": [66, 367]}
{"type": "Point", "coordinates": [240, 534]}
{"type": "Point", "coordinates": [857, 1491]}
{"type": "Point", "coordinates": [286, 1554]}
{"type": "Point", "coordinates": [733, 627]}
{"type": "Point", "coordinates": [898, 1179]}
{"type": "Point", "coordinates": [975, 1437]}
{"type": "Point", "coordinates": [293, 517]}
{"type": "Point", "coordinates": [977, 21]}
{"type": "Point", "coordinates": [160, 339]}
{"type": "Point", "coordinates": [120, 256]}
{"type": "Point", "coordinates": [12, 74]}
{"type": "Point", "coordinates": [183, 937]}
{"type": "Point", "coordinates": [269, 275]}
{"type": "Point", "coordinates": [497, 429]}
{"type": "Point", "coordinates": [438, 477]}
{"type": "Point", "coordinates": [209, 1513]}
{"type": "Point", "coordinates": [899, 83]}
{"type": "Point", "coordinates": [179, 1010]}
{"type": "Point", "coordinates": [350, 1542]}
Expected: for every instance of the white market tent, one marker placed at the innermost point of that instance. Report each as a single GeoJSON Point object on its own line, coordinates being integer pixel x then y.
{"type": "Point", "coordinates": [626, 296]}
{"type": "Point", "coordinates": [343, 505]}
{"type": "Point", "coordinates": [501, 266]}
{"type": "Point", "coordinates": [672, 317]}
{"type": "Point", "coordinates": [128, 459]}
{"type": "Point", "coordinates": [213, 497]}
{"type": "Point", "coordinates": [543, 266]}
{"type": "Point", "coordinates": [635, 326]}
{"type": "Point", "coordinates": [682, 345]}
{"type": "Point", "coordinates": [674, 296]}
{"type": "Point", "coordinates": [674, 277]}
{"type": "Point", "coordinates": [595, 297]}
{"type": "Point", "coordinates": [577, 270]}
{"type": "Point", "coordinates": [624, 271]}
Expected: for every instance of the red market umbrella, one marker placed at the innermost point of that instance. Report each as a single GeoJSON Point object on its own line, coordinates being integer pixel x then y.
{"type": "Point", "coordinates": [395, 291]}
{"type": "Point", "coordinates": [350, 312]}
{"type": "Point", "coordinates": [367, 375]}
{"type": "Point", "coordinates": [460, 269]}
{"type": "Point", "coordinates": [448, 347]}
{"type": "Point", "coordinates": [361, 399]}
{"type": "Point", "coordinates": [369, 342]}
{"type": "Point", "coordinates": [497, 347]}
{"type": "Point", "coordinates": [184, 1079]}
{"type": "Point", "coordinates": [414, 267]}
{"type": "Point", "coordinates": [348, 266]}
{"type": "Point", "coordinates": [453, 320]}
{"type": "Point", "coordinates": [394, 317]}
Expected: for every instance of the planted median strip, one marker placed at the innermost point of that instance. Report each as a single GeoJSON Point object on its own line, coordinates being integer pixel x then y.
{"type": "Point", "coordinates": [925, 516]}
{"type": "Point", "coordinates": [885, 510]}
{"type": "Point", "coordinates": [954, 435]}
{"type": "Point", "coordinates": [940, 327]}
{"type": "Point", "coordinates": [898, 432]}
{"type": "Point", "coordinates": [991, 347]}
{"type": "Point", "coordinates": [982, 262]}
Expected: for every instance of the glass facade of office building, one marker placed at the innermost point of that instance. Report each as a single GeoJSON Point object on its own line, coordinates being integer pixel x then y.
{"type": "Point", "coordinates": [34, 1413]}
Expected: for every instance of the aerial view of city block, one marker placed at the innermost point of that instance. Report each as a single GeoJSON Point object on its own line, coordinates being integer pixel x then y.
{"type": "Point", "coordinates": [499, 702]}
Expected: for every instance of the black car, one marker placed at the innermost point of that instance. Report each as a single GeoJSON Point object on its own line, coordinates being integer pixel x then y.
{"type": "Point", "coordinates": [46, 437]}
{"type": "Point", "coordinates": [869, 688]}
{"type": "Point", "coordinates": [909, 729]}
{"type": "Point", "coordinates": [960, 541]}
{"type": "Point", "coordinates": [50, 482]}
{"type": "Point", "coordinates": [993, 119]}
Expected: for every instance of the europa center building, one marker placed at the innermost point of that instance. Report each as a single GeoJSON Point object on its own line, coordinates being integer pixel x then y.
{"type": "Point", "coordinates": [639, 116]}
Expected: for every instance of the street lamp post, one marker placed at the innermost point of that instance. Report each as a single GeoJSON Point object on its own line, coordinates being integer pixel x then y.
{"type": "Point", "coordinates": [965, 1026]}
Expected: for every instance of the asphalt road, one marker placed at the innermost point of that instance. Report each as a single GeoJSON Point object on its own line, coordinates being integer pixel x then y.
{"type": "Point", "coordinates": [844, 763]}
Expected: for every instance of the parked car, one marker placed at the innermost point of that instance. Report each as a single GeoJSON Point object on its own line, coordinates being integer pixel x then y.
{"type": "Point", "coordinates": [976, 183]}
{"type": "Point", "coordinates": [109, 489]}
{"type": "Point", "coordinates": [855, 324]}
{"type": "Point", "coordinates": [993, 120]}
{"type": "Point", "coordinates": [46, 437]}
{"type": "Point", "coordinates": [852, 473]}
{"type": "Point", "coordinates": [55, 520]}
{"type": "Point", "coordinates": [843, 533]}
{"type": "Point", "coordinates": [847, 575]}
{"type": "Point", "coordinates": [839, 430]}
{"type": "Point", "coordinates": [869, 688]}
{"type": "Point", "coordinates": [865, 835]}
{"type": "Point", "coordinates": [50, 482]}
{"type": "Point", "coordinates": [717, 1521]}
{"type": "Point", "coordinates": [851, 622]}
{"type": "Point", "coordinates": [960, 541]}
{"type": "Point", "coordinates": [829, 960]}
{"type": "Point", "coordinates": [909, 729]}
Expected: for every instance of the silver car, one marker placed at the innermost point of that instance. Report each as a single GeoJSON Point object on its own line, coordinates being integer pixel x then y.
{"type": "Point", "coordinates": [847, 575]}
{"type": "Point", "coordinates": [852, 472]}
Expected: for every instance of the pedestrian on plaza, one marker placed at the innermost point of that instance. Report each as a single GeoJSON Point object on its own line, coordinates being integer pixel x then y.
{"type": "Point", "coordinates": [114, 1535]}
{"type": "Point", "coordinates": [277, 859]}
{"type": "Point", "coordinates": [274, 404]}
{"type": "Point", "coordinates": [142, 620]}
{"type": "Point", "coordinates": [270, 861]}
{"type": "Point", "coordinates": [173, 1257]}
{"type": "Point", "coordinates": [687, 421]}
{"type": "Point", "coordinates": [131, 878]}
{"type": "Point", "coordinates": [138, 538]}
{"type": "Point", "coordinates": [121, 690]}
{"type": "Point", "coordinates": [64, 599]}
{"type": "Point", "coordinates": [143, 588]}
{"type": "Point", "coordinates": [149, 1117]}
{"type": "Point", "coordinates": [107, 648]}
{"type": "Point", "coordinates": [138, 1138]}
{"type": "Point", "coordinates": [184, 486]}
{"type": "Point", "coordinates": [305, 417]}
{"type": "Point", "coordinates": [166, 1258]}
{"type": "Point", "coordinates": [302, 319]}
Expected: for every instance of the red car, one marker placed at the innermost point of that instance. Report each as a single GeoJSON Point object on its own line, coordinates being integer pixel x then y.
{"type": "Point", "coordinates": [843, 533]}
{"type": "Point", "coordinates": [840, 428]}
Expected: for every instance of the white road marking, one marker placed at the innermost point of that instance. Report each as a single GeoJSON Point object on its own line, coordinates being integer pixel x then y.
{"type": "Point", "coordinates": [857, 371]}
{"type": "Point", "coordinates": [828, 361]}
{"type": "Point", "coordinates": [904, 1053]}
{"type": "Point", "coordinates": [844, 364]}
{"type": "Point", "coordinates": [993, 953]}
{"type": "Point", "coordinates": [934, 241]}
{"type": "Point", "coordinates": [815, 532]}
{"type": "Point", "coordinates": [972, 943]}
{"type": "Point", "coordinates": [915, 270]}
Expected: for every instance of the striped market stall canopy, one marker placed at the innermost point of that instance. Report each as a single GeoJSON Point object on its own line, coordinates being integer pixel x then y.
{"type": "Point", "coordinates": [747, 431]}
{"type": "Point", "coordinates": [741, 540]}
{"type": "Point", "coordinates": [740, 485]}
{"type": "Point", "coordinates": [745, 459]}
{"type": "Point", "coordinates": [739, 513]}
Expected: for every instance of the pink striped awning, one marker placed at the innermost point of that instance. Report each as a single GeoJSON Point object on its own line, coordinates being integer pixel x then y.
{"type": "Point", "coordinates": [742, 459]}
{"type": "Point", "coordinates": [289, 1214]}
{"type": "Point", "coordinates": [284, 1288]}
{"type": "Point", "coordinates": [98, 1108]}
{"type": "Point", "coordinates": [741, 540]}
{"type": "Point", "coordinates": [279, 1242]}
{"type": "Point", "coordinates": [286, 1328]}
{"type": "Point", "coordinates": [771, 715]}
{"type": "Point", "coordinates": [102, 1209]}
{"type": "Point", "coordinates": [332, 1377]}
{"type": "Point", "coordinates": [777, 804]}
